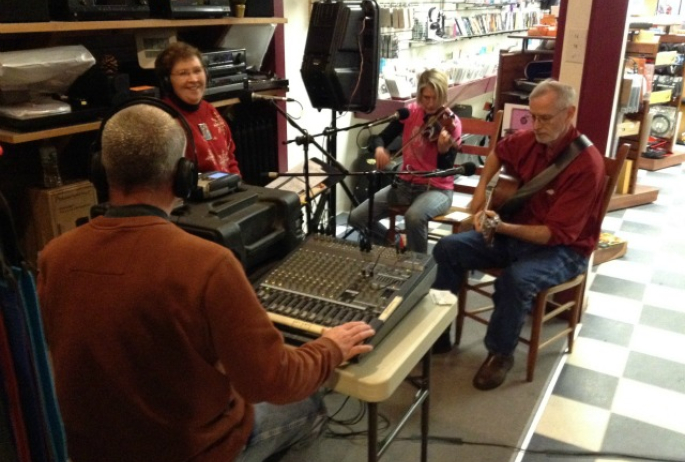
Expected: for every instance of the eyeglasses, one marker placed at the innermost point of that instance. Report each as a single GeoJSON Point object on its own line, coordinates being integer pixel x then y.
{"type": "Point", "coordinates": [186, 73]}
{"type": "Point", "coordinates": [546, 118]}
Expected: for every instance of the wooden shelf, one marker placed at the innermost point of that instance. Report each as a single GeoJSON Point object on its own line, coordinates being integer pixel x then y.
{"type": "Point", "coordinates": [642, 48]}
{"type": "Point", "coordinates": [605, 254]}
{"type": "Point", "coordinates": [455, 94]}
{"type": "Point", "coordinates": [71, 26]}
{"type": "Point", "coordinates": [642, 195]}
{"type": "Point", "coordinates": [652, 165]}
{"type": "Point", "coordinates": [422, 43]}
{"type": "Point", "coordinates": [14, 137]}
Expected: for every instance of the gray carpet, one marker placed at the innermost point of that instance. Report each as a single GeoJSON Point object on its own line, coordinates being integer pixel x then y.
{"type": "Point", "coordinates": [458, 411]}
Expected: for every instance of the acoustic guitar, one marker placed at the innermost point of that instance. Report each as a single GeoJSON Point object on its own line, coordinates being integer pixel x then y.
{"type": "Point", "coordinates": [499, 190]}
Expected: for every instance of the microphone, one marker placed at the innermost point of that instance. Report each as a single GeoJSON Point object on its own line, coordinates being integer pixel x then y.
{"type": "Point", "coordinates": [250, 97]}
{"type": "Point", "coordinates": [401, 114]}
{"type": "Point", "coordinates": [466, 169]}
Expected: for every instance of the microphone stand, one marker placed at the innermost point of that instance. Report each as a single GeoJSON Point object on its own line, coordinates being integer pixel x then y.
{"type": "Point", "coordinates": [305, 140]}
{"type": "Point", "coordinates": [331, 134]}
{"type": "Point", "coordinates": [373, 181]}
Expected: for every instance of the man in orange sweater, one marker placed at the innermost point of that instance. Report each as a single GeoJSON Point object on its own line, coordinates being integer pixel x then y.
{"type": "Point", "coordinates": [161, 349]}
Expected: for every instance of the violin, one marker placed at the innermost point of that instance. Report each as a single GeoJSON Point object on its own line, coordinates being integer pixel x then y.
{"type": "Point", "coordinates": [444, 119]}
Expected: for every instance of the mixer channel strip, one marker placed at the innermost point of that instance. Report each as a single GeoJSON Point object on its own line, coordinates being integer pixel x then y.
{"type": "Point", "coordinates": [327, 281]}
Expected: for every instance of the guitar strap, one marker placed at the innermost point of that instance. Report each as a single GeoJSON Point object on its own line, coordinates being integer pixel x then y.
{"type": "Point", "coordinates": [515, 202]}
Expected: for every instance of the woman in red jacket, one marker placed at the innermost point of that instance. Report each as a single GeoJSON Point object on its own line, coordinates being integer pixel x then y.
{"type": "Point", "coordinates": [183, 80]}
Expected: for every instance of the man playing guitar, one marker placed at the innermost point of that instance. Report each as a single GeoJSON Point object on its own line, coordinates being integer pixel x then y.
{"type": "Point", "coordinates": [545, 242]}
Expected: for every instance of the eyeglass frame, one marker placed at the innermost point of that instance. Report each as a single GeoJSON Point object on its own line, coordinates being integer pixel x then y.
{"type": "Point", "coordinates": [544, 119]}
{"type": "Point", "coordinates": [187, 73]}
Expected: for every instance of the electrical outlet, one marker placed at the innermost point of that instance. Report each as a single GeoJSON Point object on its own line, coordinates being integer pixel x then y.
{"type": "Point", "coordinates": [575, 45]}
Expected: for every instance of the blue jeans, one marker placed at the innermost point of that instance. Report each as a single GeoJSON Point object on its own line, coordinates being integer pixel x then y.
{"type": "Point", "coordinates": [527, 269]}
{"type": "Point", "coordinates": [424, 204]}
{"type": "Point", "coordinates": [280, 427]}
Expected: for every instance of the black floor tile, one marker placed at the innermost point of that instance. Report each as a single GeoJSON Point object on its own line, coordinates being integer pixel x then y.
{"type": "Point", "coordinates": [542, 448]}
{"type": "Point", "coordinates": [638, 255]}
{"type": "Point", "coordinates": [586, 386]}
{"type": "Point", "coordinates": [635, 438]}
{"type": "Point", "coordinates": [653, 208]}
{"type": "Point", "coordinates": [606, 330]}
{"type": "Point", "coordinates": [615, 286]}
{"type": "Point", "coordinates": [662, 318]}
{"type": "Point", "coordinates": [640, 228]}
{"type": "Point", "coordinates": [616, 213]}
{"type": "Point", "coordinates": [655, 371]}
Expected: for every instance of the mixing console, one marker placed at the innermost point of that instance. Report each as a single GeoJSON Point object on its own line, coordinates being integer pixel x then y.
{"type": "Point", "coordinates": [328, 281]}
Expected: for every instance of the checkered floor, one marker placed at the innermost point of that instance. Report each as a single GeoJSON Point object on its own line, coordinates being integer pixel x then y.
{"type": "Point", "coordinates": [623, 388]}
{"type": "Point", "coordinates": [621, 394]}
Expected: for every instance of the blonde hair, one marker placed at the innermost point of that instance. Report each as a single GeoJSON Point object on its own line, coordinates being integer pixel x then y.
{"type": "Point", "coordinates": [435, 79]}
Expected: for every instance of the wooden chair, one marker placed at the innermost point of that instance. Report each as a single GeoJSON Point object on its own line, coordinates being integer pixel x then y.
{"type": "Point", "coordinates": [469, 127]}
{"type": "Point", "coordinates": [563, 301]}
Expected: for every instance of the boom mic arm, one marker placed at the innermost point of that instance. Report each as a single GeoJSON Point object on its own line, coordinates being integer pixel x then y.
{"type": "Point", "coordinates": [466, 169]}
{"type": "Point", "coordinates": [250, 97]}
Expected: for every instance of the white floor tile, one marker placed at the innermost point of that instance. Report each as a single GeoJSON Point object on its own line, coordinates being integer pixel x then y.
{"type": "Point", "coordinates": [611, 224]}
{"type": "Point", "coordinates": [650, 404]}
{"type": "Point", "coordinates": [622, 269]}
{"type": "Point", "coordinates": [660, 343]}
{"type": "Point", "coordinates": [607, 358]}
{"type": "Point", "coordinates": [641, 216]}
{"type": "Point", "coordinates": [673, 262]}
{"type": "Point", "coordinates": [639, 241]}
{"type": "Point", "coordinates": [665, 297]}
{"type": "Point", "coordinates": [614, 307]}
{"type": "Point", "coordinates": [574, 423]}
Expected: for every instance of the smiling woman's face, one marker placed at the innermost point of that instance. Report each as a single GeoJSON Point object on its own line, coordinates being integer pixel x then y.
{"type": "Point", "coordinates": [188, 80]}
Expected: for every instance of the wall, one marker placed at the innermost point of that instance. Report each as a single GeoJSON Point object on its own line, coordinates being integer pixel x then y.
{"type": "Point", "coordinates": [594, 72]}
{"type": "Point", "coordinates": [314, 121]}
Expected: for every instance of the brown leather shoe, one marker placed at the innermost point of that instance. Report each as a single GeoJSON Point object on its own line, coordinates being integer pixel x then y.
{"type": "Point", "coordinates": [493, 371]}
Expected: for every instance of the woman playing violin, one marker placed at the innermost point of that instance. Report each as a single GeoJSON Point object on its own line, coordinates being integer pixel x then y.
{"type": "Point", "coordinates": [429, 139]}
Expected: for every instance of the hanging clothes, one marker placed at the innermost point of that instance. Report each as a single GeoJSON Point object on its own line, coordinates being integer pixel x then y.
{"type": "Point", "coordinates": [29, 401]}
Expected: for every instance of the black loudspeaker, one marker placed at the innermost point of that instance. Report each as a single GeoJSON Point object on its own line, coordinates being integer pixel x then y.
{"type": "Point", "coordinates": [98, 89]}
{"type": "Point", "coordinates": [341, 57]}
{"type": "Point", "coordinates": [185, 179]}
{"type": "Point", "coordinates": [24, 11]}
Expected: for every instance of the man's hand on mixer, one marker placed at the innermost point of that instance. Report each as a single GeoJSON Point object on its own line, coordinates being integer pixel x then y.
{"type": "Point", "coordinates": [350, 337]}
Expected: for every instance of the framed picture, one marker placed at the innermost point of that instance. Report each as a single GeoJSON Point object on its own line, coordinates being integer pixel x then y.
{"type": "Point", "coordinates": [516, 117]}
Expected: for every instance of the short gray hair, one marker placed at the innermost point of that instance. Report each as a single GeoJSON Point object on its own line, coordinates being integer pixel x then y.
{"type": "Point", "coordinates": [566, 94]}
{"type": "Point", "coordinates": [141, 145]}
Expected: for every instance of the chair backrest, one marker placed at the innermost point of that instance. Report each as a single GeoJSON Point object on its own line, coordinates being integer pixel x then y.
{"type": "Point", "coordinates": [490, 129]}
{"type": "Point", "coordinates": [613, 166]}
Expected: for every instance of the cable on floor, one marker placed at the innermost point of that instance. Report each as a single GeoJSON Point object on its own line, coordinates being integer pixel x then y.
{"type": "Point", "coordinates": [331, 430]}
{"type": "Point", "coordinates": [544, 452]}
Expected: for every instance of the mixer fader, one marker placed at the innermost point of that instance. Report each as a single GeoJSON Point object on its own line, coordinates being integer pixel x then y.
{"type": "Point", "coordinates": [328, 281]}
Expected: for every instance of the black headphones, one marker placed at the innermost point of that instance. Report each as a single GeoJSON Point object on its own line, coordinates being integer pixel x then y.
{"type": "Point", "coordinates": [165, 79]}
{"type": "Point", "coordinates": [185, 177]}
{"type": "Point", "coordinates": [438, 23]}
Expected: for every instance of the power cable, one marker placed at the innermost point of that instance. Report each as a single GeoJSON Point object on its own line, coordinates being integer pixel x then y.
{"type": "Point", "coordinates": [545, 452]}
